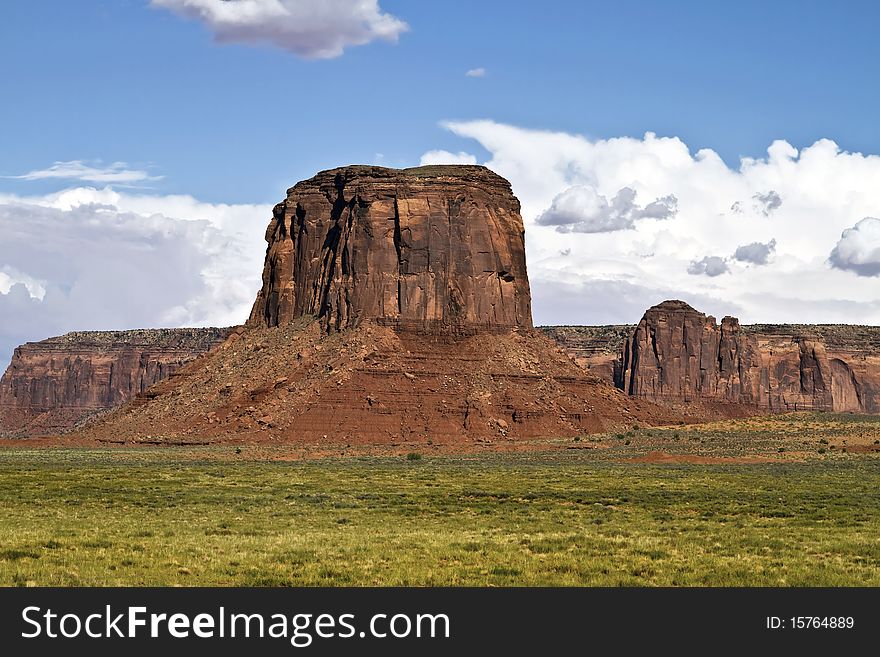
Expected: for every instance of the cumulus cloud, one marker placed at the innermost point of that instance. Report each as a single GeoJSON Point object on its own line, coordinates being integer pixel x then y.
{"type": "Point", "coordinates": [580, 209]}
{"type": "Point", "coordinates": [87, 259]}
{"type": "Point", "coordinates": [756, 253]}
{"type": "Point", "coordinates": [117, 173]}
{"type": "Point", "coordinates": [445, 157]}
{"type": "Point", "coordinates": [709, 266]}
{"type": "Point", "coordinates": [476, 73]}
{"type": "Point", "coordinates": [813, 193]}
{"type": "Point", "coordinates": [859, 248]}
{"type": "Point", "coordinates": [315, 29]}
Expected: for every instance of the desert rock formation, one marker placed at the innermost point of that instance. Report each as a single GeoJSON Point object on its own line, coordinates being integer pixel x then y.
{"type": "Point", "coordinates": [434, 249]}
{"type": "Point", "coordinates": [376, 385]}
{"type": "Point", "coordinates": [836, 367]}
{"type": "Point", "coordinates": [792, 360]}
{"type": "Point", "coordinates": [51, 385]}
{"type": "Point", "coordinates": [678, 355]}
{"type": "Point", "coordinates": [395, 309]}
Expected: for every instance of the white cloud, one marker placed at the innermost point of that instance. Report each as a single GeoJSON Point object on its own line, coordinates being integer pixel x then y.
{"type": "Point", "coordinates": [476, 73]}
{"type": "Point", "coordinates": [445, 157]}
{"type": "Point", "coordinates": [756, 253]}
{"type": "Point", "coordinates": [118, 173]}
{"type": "Point", "coordinates": [803, 199]}
{"type": "Point", "coordinates": [89, 258]}
{"type": "Point", "coordinates": [859, 248]}
{"type": "Point", "coordinates": [319, 29]}
{"type": "Point", "coordinates": [10, 276]}
{"type": "Point", "coordinates": [580, 209]}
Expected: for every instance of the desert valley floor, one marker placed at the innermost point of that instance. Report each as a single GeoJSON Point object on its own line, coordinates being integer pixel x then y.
{"type": "Point", "coordinates": [765, 501]}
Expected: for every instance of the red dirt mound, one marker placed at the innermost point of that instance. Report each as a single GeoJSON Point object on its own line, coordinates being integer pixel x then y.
{"type": "Point", "coordinates": [373, 385]}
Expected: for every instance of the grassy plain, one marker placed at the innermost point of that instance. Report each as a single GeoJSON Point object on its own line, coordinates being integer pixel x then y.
{"type": "Point", "coordinates": [772, 502]}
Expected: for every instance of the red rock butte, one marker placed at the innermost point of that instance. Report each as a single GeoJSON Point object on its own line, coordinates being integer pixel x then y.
{"type": "Point", "coordinates": [395, 308]}
{"type": "Point", "coordinates": [436, 249]}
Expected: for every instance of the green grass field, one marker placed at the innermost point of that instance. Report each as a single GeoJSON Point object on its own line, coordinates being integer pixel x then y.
{"type": "Point", "coordinates": [174, 517]}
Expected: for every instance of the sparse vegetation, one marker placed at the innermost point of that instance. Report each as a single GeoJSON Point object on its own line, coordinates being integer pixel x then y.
{"type": "Point", "coordinates": [580, 516]}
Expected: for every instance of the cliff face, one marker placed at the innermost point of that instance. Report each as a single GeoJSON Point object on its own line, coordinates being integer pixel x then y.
{"type": "Point", "coordinates": [436, 249]}
{"type": "Point", "coordinates": [835, 367]}
{"type": "Point", "coordinates": [677, 354]}
{"type": "Point", "coordinates": [51, 385]}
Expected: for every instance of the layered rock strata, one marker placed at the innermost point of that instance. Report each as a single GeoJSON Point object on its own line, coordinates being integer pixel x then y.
{"type": "Point", "coordinates": [595, 348]}
{"type": "Point", "coordinates": [394, 308]}
{"type": "Point", "coordinates": [51, 385]}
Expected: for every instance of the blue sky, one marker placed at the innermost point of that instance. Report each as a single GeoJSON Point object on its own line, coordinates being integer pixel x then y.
{"type": "Point", "coordinates": [725, 153]}
{"type": "Point", "coordinates": [111, 80]}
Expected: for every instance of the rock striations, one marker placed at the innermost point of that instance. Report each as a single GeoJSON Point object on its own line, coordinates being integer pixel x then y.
{"type": "Point", "coordinates": [51, 385]}
{"type": "Point", "coordinates": [437, 249]}
{"type": "Point", "coordinates": [679, 355]}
